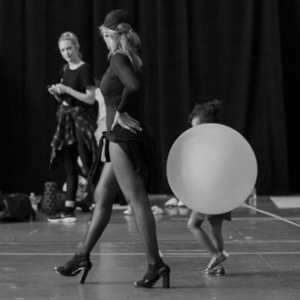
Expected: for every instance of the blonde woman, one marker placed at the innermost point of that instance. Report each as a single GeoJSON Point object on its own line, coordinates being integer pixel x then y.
{"type": "Point", "coordinates": [128, 147]}
{"type": "Point", "coordinates": [74, 135]}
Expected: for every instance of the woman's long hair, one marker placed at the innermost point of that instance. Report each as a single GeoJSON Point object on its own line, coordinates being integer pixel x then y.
{"type": "Point", "coordinates": [128, 43]}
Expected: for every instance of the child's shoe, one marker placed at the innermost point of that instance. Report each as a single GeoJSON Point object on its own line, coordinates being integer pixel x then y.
{"type": "Point", "coordinates": [218, 271]}
{"type": "Point", "coordinates": [216, 261]}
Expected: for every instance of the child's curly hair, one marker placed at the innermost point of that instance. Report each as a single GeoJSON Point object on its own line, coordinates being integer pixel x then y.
{"type": "Point", "coordinates": [208, 112]}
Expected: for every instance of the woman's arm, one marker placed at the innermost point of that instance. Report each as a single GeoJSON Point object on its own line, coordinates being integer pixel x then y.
{"type": "Point", "coordinates": [87, 97]}
{"type": "Point", "coordinates": [122, 68]}
{"type": "Point", "coordinates": [125, 121]}
{"type": "Point", "coordinates": [56, 96]}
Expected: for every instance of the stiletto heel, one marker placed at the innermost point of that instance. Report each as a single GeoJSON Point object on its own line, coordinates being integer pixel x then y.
{"type": "Point", "coordinates": [75, 266]}
{"type": "Point", "coordinates": [84, 275]}
{"type": "Point", "coordinates": [154, 273]}
{"type": "Point", "coordinates": [166, 281]}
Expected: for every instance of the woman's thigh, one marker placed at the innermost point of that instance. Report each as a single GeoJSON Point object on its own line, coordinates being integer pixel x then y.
{"type": "Point", "coordinates": [130, 183]}
{"type": "Point", "coordinates": [107, 187]}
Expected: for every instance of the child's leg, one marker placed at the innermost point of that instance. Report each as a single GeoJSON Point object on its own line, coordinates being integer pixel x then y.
{"type": "Point", "coordinates": [194, 225]}
{"type": "Point", "coordinates": [215, 225]}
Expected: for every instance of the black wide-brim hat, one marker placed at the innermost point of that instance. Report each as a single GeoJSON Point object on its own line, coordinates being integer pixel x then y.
{"type": "Point", "coordinates": [116, 17]}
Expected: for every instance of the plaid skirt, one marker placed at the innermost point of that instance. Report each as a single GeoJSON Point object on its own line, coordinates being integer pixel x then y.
{"type": "Point", "coordinates": [68, 118]}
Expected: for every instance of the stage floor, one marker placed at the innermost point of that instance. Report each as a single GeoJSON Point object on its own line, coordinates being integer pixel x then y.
{"type": "Point", "coordinates": [264, 260]}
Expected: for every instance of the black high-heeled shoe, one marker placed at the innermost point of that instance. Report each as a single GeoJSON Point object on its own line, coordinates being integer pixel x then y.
{"type": "Point", "coordinates": [154, 273]}
{"type": "Point", "coordinates": [73, 267]}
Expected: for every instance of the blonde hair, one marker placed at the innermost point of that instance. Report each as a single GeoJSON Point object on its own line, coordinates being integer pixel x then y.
{"type": "Point", "coordinates": [70, 36]}
{"type": "Point", "coordinates": [128, 43]}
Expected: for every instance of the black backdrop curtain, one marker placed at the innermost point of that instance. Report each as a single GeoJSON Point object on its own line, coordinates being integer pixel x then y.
{"type": "Point", "coordinates": [245, 53]}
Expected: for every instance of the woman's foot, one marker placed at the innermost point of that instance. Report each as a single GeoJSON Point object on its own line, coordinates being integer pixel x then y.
{"type": "Point", "coordinates": [63, 217]}
{"type": "Point", "coordinates": [73, 267]}
{"type": "Point", "coordinates": [154, 273]}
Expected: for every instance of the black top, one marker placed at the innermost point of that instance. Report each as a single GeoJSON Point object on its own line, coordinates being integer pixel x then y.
{"type": "Point", "coordinates": [78, 80]}
{"type": "Point", "coordinates": [121, 89]}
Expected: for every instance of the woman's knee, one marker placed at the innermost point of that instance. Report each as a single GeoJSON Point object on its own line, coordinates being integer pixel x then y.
{"type": "Point", "coordinates": [135, 198]}
{"type": "Point", "coordinates": [104, 195]}
{"type": "Point", "coordinates": [107, 187]}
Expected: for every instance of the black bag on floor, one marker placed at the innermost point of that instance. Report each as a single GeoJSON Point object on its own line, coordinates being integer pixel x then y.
{"type": "Point", "coordinates": [16, 208]}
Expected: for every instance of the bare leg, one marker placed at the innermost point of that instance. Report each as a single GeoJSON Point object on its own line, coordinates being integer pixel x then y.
{"type": "Point", "coordinates": [133, 189]}
{"type": "Point", "coordinates": [105, 194]}
{"type": "Point", "coordinates": [194, 225]}
{"type": "Point", "coordinates": [216, 233]}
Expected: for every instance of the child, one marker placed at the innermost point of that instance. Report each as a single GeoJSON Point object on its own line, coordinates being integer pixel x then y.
{"type": "Point", "coordinates": [209, 113]}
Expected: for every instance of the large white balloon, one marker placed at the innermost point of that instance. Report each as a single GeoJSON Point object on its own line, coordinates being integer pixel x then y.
{"type": "Point", "coordinates": [211, 168]}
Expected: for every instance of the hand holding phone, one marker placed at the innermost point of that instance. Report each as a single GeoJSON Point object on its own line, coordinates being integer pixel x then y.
{"type": "Point", "coordinates": [51, 89]}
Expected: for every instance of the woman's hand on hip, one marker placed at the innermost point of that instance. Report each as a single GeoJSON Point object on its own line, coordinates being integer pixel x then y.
{"type": "Point", "coordinates": [125, 121]}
